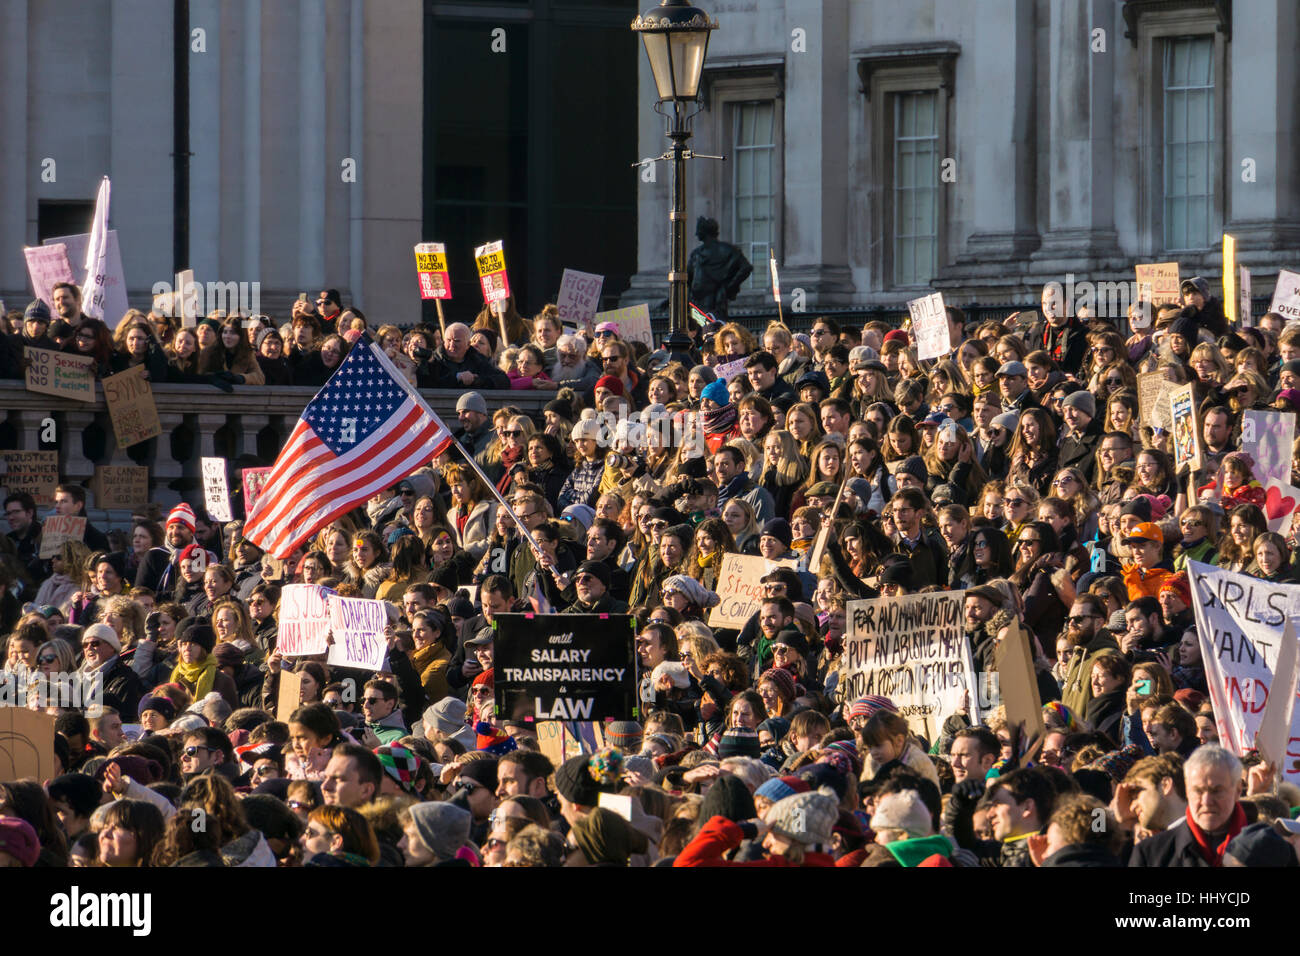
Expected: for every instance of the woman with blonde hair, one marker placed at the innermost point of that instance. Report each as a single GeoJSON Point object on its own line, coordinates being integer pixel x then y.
{"type": "Point", "coordinates": [713, 540]}
{"type": "Point", "coordinates": [1020, 505]}
{"type": "Point", "coordinates": [784, 469]}
{"type": "Point", "coordinates": [69, 576]}
{"type": "Point", "coordinates": [125, 617]}
{"type": "Point", "coordinates": [1247, 389]}
{"type": "Point", "coordinates": [952, 459]}
{"type": "Point", "coordinates": [738, 516]}
{"type": "Point", "coordinates": [732, 342]}
{"type": "Point", "coordinates": [1211, 370]}
{"type": "Point", "coordinates": [803, 423]}
{"type": "Point", "coordinates": [472, 509]}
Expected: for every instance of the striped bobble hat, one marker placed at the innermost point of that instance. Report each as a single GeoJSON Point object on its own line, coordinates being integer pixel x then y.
{"type": "Point", "coordinates": [868, 706]}
{"type": "Point", "coordinates": [400, 764]}
{"type": "Point", "coordinates": [778, 788]}
{"type": "Point", "coordinates": [184, 514]}
{"type": "Point", "coordinates": [844, 756]}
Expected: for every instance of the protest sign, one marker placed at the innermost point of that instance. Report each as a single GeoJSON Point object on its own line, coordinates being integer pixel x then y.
{"type": "Point", "coordinates": [1018, 685]}
{"type": "Point", "coordinates": [131, 406]}
{"type": "Point", "coordinates": [47, 265]}
{"type": "Point", "coordinates": [216, 493]}
{"type": "Point", "coordinates": [304, 620]}
{"type": "Point", "coordinates": [1186, 428]}
{"type": "Point", "coordinates": [33, 472]}
{"type": "Point", "coordinates": [1286, 295]}
{"type": "Point", "coordinates": [253, 481]}
{"type": "Point", "coordinates": [358, 626]}
{"type": "Point", "coordinates": [56, 529]}
{"type": "Point", "coordinates": [1280, 500]}
{"type": "Point", "coordinates": [562, 739]}
{"type": "Point", "coordinates": [1274, 734]}
{"type": "Point", "coordinates": [290, 696]}
{"type": "Point", "coordinates": [1158, 282]}
{"type": "Point", "coordinates": [565, 667]}
{"type": "Point", "coordinates": [185, 299]}
{"type": "Point", "coordinates": [930, 326]}
{"type": "Point", "coordinates": [739, 591]}
{"type": "Point", "coordinates": [491, 262]}
{"type": "Point", "coordinates": [1230, 304]}
{"type": "Point", "coordinates": [1267, 437]}
{"type": "Point", "coordinates": [26, 744]}
{"type": "Point", "coordinates": [729, 370]}
{"type": "Point", "coordinates": [1243, 284]}
{"type": "Point", "coordinates": [115, 302]}
{"type": "Point", "coordinates": [1153, 399]}
{"type": "Point", "coordinates": [63, 374]}
{"type": "Point", "coordinates": [579, 297]}
{"type": "Point", "coordinates": [1239, 618]}
{"type": "Point", "coordinates": [431, 270]}
{"type": "Point", "coordinates": [633, 323]}
{"type": "Point", "coordinates": [913, 650]}
{"type": "Point", "coordinates": [121, 486]}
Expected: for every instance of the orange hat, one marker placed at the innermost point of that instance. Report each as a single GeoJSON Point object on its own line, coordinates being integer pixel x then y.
{"type": "Point", "coordinates": [1146, 531]}
{"type": "Point", "coordinates": [1179, 584]}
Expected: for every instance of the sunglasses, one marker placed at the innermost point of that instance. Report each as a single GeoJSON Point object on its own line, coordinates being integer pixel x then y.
{"type": "Point", "coordinates": [1115, 382]}
{"type": "Point", "coordinates": [373, 700]}
{"type": "Point", "coordinates": [512, 433]}
{"type": "Point", "coordinates": [1080, 618]}
{"type": "Point", "coordinates": [1015, 502]}
{"type": "Point", "coordinates": [1028, 541]}
{"type": "Point", "coordinates": [1191, 523]}
{"type": "Point", "coordinates": [47, 659]}
{"type": "Point", "coordinates": [93, 642]}
{"type": "Point", "coordinates": [194, 751]}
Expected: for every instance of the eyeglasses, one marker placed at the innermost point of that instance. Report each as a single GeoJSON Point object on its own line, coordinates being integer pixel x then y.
{"type": "Point", "coordinates": [603, 333]}
{"type": "Point", "coordinates": [194, 751]}
{"type": "Point", "coordinates": [979, 545]}
{"type": "Point", "coordinates": [92, 642]}
{"type": "Point", "coordinates": [495, 843]}
{"type": "Point", "coordinates": [1027, 541]}
{"type": "Point", "coordinates": [47, 658]}
{"type": "Point", "coordinates": [1191, 523]}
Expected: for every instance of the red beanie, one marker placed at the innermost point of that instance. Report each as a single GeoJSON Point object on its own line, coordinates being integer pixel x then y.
{"type": "Point", "coordinates": [485, 678]}
{"type": "Point", "coordinates": [610, 382]}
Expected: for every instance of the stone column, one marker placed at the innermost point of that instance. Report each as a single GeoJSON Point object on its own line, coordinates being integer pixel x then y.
{"type": "Point", "coordinates": [248, 426]}
{"type": "Point", "coordinates": [74, 465]}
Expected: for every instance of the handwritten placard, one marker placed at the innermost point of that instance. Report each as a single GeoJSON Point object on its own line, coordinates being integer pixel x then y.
{"type": "Point", "coordinates": [47, 265]}
{"type": "Point", "coordinates": [60, 373]}
{"type": "Point", "coordinates": [1286, 295]}
{"type": "Point", "coordinates": [216, 493]}
{"type": "Point", "coordinates": [121, 486]}
{"type": "Point", "coordinates": [57, 529]}
{"type": "Point", "coordinates": [740, 589]}
{"type": "Point", "coordinates": [358, 630]}
{"type": "Point", "coordinates": [633, 323]}
{"type": "Point", "coordinates": [1158, 282]}
{"type": "Point", "coordinates": [729, 370]}
{"type": "Point", "coordinates": [304, 620]}
{"type": "Point", "coordinates": [1153, 399]}
{"type": "Point", "coordinates": [34, 472]}
{"type": "Point", "coordinates": [930, 326]}
{"type": "Point", "coordinates": [579, 297]}
{"type": "Point", "coordinates": [131, 406]}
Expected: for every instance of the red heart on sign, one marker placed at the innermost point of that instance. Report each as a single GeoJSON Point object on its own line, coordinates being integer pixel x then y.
{"type": "Point", "coordinates": [1275, 505]}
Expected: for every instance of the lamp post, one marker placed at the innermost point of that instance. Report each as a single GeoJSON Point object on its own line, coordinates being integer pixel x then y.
{"type": "Point", "coordinates": [676, 38]}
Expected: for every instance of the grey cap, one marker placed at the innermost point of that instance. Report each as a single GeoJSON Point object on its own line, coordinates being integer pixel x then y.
{"type": "Point", "coordinates": [446, 716]}
{"type": "Point", "coordinates": [484, 637]}
{"type": "Point", "coordinates": [1013, 368]}
{"type": "Point", "coordinates": [443, 827]}
{"type": "Point", "coordinates": [471, 402]}
{"type": "Point", "coordinates": [1007, 420]}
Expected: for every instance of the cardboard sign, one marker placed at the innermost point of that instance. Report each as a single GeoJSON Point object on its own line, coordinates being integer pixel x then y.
{"type": "Point", "coordinates": [358, 628]}
{"type": "Point", "coordinates": [1231, 306]}
{"type": "Point", "coordinates": [131, 406]}
{"type": "Point", "coordinates": [1240, 619]}
{"type": "Point", "coordinates": [913, 650]}
{"type": "Point", "coordinates": [57, 529]}
{"type": "Point", "coordinates": [35, 472]}
{"type": "Point", "coordinates": [253, 480]}
{"type": "Point", "coordinates": [491, 261]}
{"type": "Point", "coordinates": [1280, 501]}
{"type": "Point", "coordinates": [930, 326]}
{"type": "Point", "coordinates": [60, 373]}
{"type": "Point", "coordinates": [115, 301]}
{"type": "Point", "coordinates": [1157, 282]}
{"type": "Point", "coordinates": [47, 265]}
{"type": "Point", "coordinates": [1286, 295]}
{"type": "Point", "coordinates": [633, 323]}
{"type": "Point", "coordinates": [216, 493]}
{"type": "Point", "coordinates": [1186, 428]}
{"type": "Point", "coordinates": [729, 370]}
{"type": "Point", "coordinates": [1267, 437]}
{"type": "Point", "coordinates": [26, 745]}
{"type": "Point", "coordinates": [1153, 399]}
{"type": "Point", "coordinates": [1244, 308]}
{"type": "Point", "coordinates": [431, 270]}
{"type": "Point", "coordinates": [121, 486]}
{"type": "Point", "coordinates": [560, 740]}
{"type": "Point", "coordinates": [579, 297]}
{"type": "Point", "coordinates": [1018, 684]}
{"type": "Point", "coordinates": [739, 590]}
{"type": "Point", "coordinates": [290, 696]}
{"type": "Point", "coordinates": [304, 620]}
{"type": "Point", "coordinates": [565, 667]}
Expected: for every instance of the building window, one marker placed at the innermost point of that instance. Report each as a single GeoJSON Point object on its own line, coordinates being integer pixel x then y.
{"type": "Point", "coordinates": [1188, 142]}
{"type": "Point", "coordinates": [916, 187]}
{"type": "Point", "coordinates": [754, 186]}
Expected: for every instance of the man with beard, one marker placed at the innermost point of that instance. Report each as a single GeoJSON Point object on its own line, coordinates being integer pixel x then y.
{"type": "Point", "coordinates": [67, 303]}
{"type": "Point", "coordinates": [1146, 632]}
{"type": "Point", "coordinates": [160, 566]}
{"type": "Point", "coordinates": [1175, 607]}
{"type": "Point", "coordinates": [572, 369]}
{"type": "Point", "coordinates": [983, 604]}
{"type": "Point", "coordinates": [1088, 641]}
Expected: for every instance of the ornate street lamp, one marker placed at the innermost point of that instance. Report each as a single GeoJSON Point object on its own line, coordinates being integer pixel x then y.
{"type": "Point", "coordinates": [676, 38]}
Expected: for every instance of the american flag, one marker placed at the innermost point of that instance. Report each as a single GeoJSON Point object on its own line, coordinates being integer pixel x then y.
{"type": "Point", "coordinates": [363, 432]}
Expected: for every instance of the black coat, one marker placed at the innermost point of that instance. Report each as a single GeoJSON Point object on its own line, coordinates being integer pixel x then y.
{"type": "Point", "coordinates": [1082, 854]}
{"type": "Point", "coordinates": [276, 371]}
{"type": "Point", "coordinates": [1081, 452]}
{"type": "Point", "coordinates": [123, 688]}
{"type": "Point", "coordinates": [1173, 847]}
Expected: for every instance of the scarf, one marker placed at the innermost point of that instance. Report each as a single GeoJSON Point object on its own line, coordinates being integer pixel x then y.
{"type": "Point", "coordinates": [719, 419]}
{"type": "Point", "coordinates": [422, 657]}
{"type": "Point", "coordinates": [1214, 855]}
{"type": "Point", "coordinates": [509, 458]}
{"type": "Point", "coordinates": [709, 561]}
{"type": "Point", "coordinates": [200, 676]}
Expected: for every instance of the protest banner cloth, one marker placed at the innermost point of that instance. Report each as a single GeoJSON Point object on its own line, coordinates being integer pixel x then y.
{"type": "Point", "coordinates": [930, 326]}
{"type": "Point", "coordinates": [1273, 738]}
{"type": "Point", "coordinates": [1286, 295]}
{"type": "Point", "coordinates": [33, 472]}
{"type": "Point", "coordinates": [1239, 619]}
{"type": "Point", "coordinates": [115, 300]}
{"type": "Point", "coordinates": [1243, 284]}
{"type": "Point", "coordinates": [1267, 437]}
{"type": "Point", "coordinates": [304, 620]}
{"type": "Point", "coordinates": [47, 265]}
{"type": "Point", "coordinates": [579, 297]}
{"type": "Point", "coordinates": [131, 406]}
{"type": "Point", "coordinates": [565, 667]}
{"type": "Point", "coordinates": [633, 323]}
{"type": "Point", "coordinates": [290, 696]}
{"type": "Point", "coordinates": [56, 529]}
{"type": "Point", "coordinates": [216, 492]}
{"type": "Point", "coordinates": [776, 285]}
{"type": "Point", "coordinates": [435, 279]}
{"type": "Point", "coordinates": [253, 480]}
{"type": "Point", "coordinates": [739, 591]}
{"type": "Point", "coordinates": [357, 628]}
{"type": "Point", "coordinates": [1157, 283]}
{"type": "Point", "coordinates": [1153, 399]}
{"type": "Point", "coordinates": [1186, 428]}
{"type": "Point", "coordinates": [913, 650]}
{"type": "Point", "coordinates": [62, 374]}
{"type": "Point", "coordinates": [1231, 306]}
{"type": "Point", "coordinates": [729, 370]}
{"type": "Point", "coordinates": [26, 744]}
{"type": "Point", "coordinates": [94, 289]}
{"type": "Point", "coordinates": [121, 486]}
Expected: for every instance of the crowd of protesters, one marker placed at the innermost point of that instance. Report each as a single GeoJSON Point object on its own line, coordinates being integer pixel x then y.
{"type": "Point", "coordinates": [1019, 467]}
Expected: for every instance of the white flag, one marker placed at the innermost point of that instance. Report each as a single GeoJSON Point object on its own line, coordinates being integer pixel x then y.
{"type": "Point", "coordinates": [94, 291]}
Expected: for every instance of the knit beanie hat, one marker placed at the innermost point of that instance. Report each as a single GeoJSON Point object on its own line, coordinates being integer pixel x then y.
{"type": "Point", "coordinates": [903, 810]}
{"type": "Point", "coordinates": [869, 705]}
{"type": "Point", "coordinates": [1083, 400]}
{"type": "Point", "coordinates": [1118, 763]}
{"type": "Point", "coordinates": [401, 764]}
{"type": "Point", "coordinates": [18, 839]}
{"type": "Point", "coordinates": [778, 528]}
{"type": "Point", "coordinates": [184, 514]}
{"type": "Point", "coordinates": [913, 465]}
{"type": "Point", "coordinates": [104, 633]}
{"type": "Point", "coordinates": [843, 756]}
{"type": "Point", "coordinates": [695, 592]}
{"type": "Point", "coordinates": [1007, 421]}
{"type": "Point", "coordinates": [728, 797]}
{"type": "Point", "coordinates": [1184, 326]}
{"type": "Point", "coordinates": [200, 634]}
{"type": "Point", "coordinates": [778, 727]}
{"type": "Point", "coordinates": [783, 679]}
{"type": "Point", "coordinates": [626, 735]}
{"type": "Point", "coordinates": [583, 778]}
{"type": "Point", "coordinates": [705, 372]}
{"type": "Point", "coordinates": [738, 742]}
{"type": "Point", "coordinates": [611, 382]}
{"type": "Point", "coordinates": [717, 393]}
{"type": "Point", "coordinates": [443, 827]}
{"type": "Point", "coordinates": [1181, 587]}
{"type": "Point", "coordinates": [805, 818]}
{"type": "Point", "coordinates": [159, 705]}
{"type": "Point", "coordinates": [778, 788]}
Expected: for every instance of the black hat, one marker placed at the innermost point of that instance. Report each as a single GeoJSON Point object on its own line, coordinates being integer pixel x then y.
{"type": "Point", "coordinates": [78, 790]}
{"type": "Point", "coordinates": [777, 528]}
{"type": "Point", "coordinates": [671, 515]}
{"type": "Point", "coordinates": [900, 573]}
{"type": "Point", "coordinates": [1139, 506]}
{"type": "Point", "coordinates": [1260, 845]}
{"type": "Point", "coordinates": [597, 569]}
{"type": "Point", "coordinates": [200, 634]}
{"type": "Point", "coordinates": [445, 575]}
{"type": "Point", "coordinates": [460, 606]}
{"type": "Point", "coordinates": [1184, 326]}
{"type": "Point", "coordinates": [575, 783]}
{"type": "Point", "coordinates": [270, 815]}
{"type": "Point", "coordinates": [815, 378]}
{"type": "Point", "coordinates": [728, 797]}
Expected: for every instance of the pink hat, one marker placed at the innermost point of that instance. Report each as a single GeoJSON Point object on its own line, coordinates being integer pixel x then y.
{"type": "Point", "coordinates": [18, 839]}
{"type": "Point", "coordinates": [184, 514]}
{"type": "Point", "coordinates": [608, 327]}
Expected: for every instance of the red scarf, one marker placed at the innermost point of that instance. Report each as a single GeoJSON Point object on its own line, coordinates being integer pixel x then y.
{"type": "Point", "coordinates": [509, 458]}
{"type": "Point", "coordinates": [1214, 855]}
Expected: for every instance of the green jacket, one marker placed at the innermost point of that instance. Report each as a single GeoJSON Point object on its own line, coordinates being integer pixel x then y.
{"type": "Point", "coordinates": [912, 852]}
{"type": "Point", "coordinates": [1076, 692]}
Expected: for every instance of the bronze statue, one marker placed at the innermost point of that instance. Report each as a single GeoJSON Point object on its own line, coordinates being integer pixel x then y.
{"type": "Point", "coordinates": [716, 270]}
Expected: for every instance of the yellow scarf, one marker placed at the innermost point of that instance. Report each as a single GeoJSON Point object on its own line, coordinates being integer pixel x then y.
{"type": "Point", "coordinates": [200, 676]}
{"type": "Point", "coordinates": [707, 561]}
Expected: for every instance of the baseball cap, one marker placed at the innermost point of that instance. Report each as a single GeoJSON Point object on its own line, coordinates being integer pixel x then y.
{"type": "Point", "coordinates": [1146, 531]}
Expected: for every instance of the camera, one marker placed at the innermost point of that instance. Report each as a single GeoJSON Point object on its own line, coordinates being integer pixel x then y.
{"type": "Point", "coordinates": [421, 354]}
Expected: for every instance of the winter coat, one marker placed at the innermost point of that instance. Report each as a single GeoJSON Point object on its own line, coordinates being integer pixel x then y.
{"type": "Point", "coordinates": [720, 835]}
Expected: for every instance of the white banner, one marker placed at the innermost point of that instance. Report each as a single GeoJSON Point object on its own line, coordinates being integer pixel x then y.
{"type": "Point", "coordinates": [304, 620]}
{"type": "Point", "coordinates": [1286, 295]}
{"type": "Point", "coordinates": [357, 626]}
{"type": "Point", "coordinates": [1239, 619]}
{"type": "Point", "coordinates": [94, 291]}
